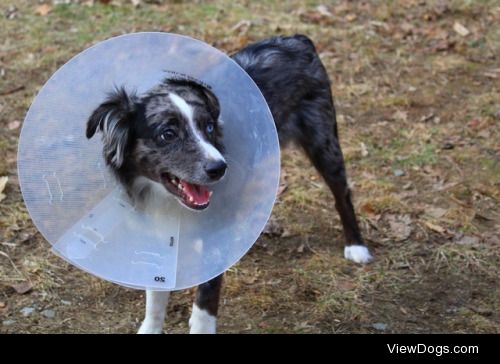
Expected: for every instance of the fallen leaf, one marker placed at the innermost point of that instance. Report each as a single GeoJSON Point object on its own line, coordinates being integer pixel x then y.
{"type": "Point", "coordinates": [441, 7]}
{"type": "Point", "coordinates": [429, 17]}
{"type": "Point", "coordinates": [436, 228]}
{"type": "Point", "coordinates": [281, 189]}
{"type": "Point", "coordinates": [369, 176]}
{"type": "Point", "coordinates": [483, 216]}
{"type": "Point", "coordinates": [484, 134]}
{"type": "Point", "coordinates": [468, 240]}
{"type": "Point", "coordinates": [481, 310]}
{"type": "Point", "coordinates": [323, 10]}
{"type": "Point", "coordinates": [287, 233]}
{"type": "Point", "coordinates": [13, 125]}
{"type": "Point", "coordinates": [448, 146]}
{"type": "Point", "coordinates": [263, 325]}
{"type": "Point", "coordinates": [243, 26]}
{"type": "Point", "coordinates": [427, 117]}
{"type": "Point", "coordinates": [436, 212]}
{"type": "Point", "coordinates": [407, 28]}
{"type": "Point", "coordinates": [474, 123]}
{"type": "Point", "coordinates": [303, 325]}
{"type": "Point", "coordinates": [27, 311]}
{"type": "Point", "coordinates": [3, 183]}
{"type": "Point", "coordinates": [43, 9]}
{"type": "Point", "coordinates": [11, 12]}
{"type": "Point", "coordinates": [492, 239]}
{"type": "Point", "coordinates": [490, 75]}
{"type": "Point", "coordinates": [364, 149]}
{"type": "Point", "coordinates": [273, 228]}
{"type": "Point", "coordinates": [409, 193]}
{"type": "Point", "coordinates": [380, 25]}
{"type": "Point", "coordinates": [24, 237]}
{"type": "Point", "coordinates": [344, 285]}
{"type": "Point", "coordinates": [443, 45]}
{"type": "Point", "coordinates": [399, 172]}
{"type": "Point", "coordinates": [400, 115]}
{"type": "Point", "coordinates": [368, 208]}
{"type": "Point", "coordinates": [408, 185]}
{"type": "Point", "coordinates": [23, 287]}
{"type": "Point", "coordinates": [249, 279]}
{"type": "Point", "coordinates": [380, 326]}
{"type": "Point", "coordinates": [48, 313]}
{"type": "Point", "coordinates": [317, 17]}
{"type": "Point", "coordinates": [460, 29]}
{"type": "Point", "coordinates": [401, 226]}
{"type": "Point", "coordinates": [351, 17]}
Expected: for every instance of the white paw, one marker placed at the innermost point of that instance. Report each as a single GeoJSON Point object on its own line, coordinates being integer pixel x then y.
{"type": "Point", "coordinates": [151, 327]}
{"type": "Point", "coordinates": [358, 254]}
{"type": "Point", "coordinates": [201, 322]}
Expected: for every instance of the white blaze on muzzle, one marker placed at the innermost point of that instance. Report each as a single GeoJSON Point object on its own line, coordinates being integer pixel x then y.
{"type": "Point", "coordinates": [83, 212]}
{"type": "Point", "coordinates": [209, 150]}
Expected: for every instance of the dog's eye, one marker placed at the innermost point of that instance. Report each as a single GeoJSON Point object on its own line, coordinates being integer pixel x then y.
{"type": "Point", "coordinates": [210, 127]}
{"type": "Point", "coordinates": [167, 135]}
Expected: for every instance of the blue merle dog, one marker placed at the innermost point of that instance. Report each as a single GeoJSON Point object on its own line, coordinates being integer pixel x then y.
{"type": "Point", "coordinates": [167, 141]}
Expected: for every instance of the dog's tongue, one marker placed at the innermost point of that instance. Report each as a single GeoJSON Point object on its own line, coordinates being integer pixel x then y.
{"type": "Point", "coordinates": [199, 194]}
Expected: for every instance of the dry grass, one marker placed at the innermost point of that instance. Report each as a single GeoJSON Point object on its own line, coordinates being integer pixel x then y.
{"type": "Point", "coordinates": [418, 110]}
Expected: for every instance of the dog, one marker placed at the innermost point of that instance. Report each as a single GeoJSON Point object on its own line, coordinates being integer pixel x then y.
{"type": "Point", "coordinates": [169, 141]}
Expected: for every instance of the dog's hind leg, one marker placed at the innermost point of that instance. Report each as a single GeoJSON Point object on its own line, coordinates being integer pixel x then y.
{"type": "Point", "coordinates": [206, 305]}
{"type": "Point", "coordinates": [156, 309]}
{"type": "Point", "coordinates": [319, 139]}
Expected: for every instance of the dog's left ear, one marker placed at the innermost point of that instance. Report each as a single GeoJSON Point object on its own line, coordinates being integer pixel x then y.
{"type": "Point", "coordinates": [114, 118]}
{"type": "Point", "coordinates": [212, 103]}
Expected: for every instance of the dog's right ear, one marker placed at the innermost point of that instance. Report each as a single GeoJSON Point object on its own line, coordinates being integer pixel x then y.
{"type": "Point", "coordinates": [114, 118]}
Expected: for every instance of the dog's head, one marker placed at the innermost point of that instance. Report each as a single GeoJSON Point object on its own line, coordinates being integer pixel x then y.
{"type": "Point", "coordinates": [170, 135]}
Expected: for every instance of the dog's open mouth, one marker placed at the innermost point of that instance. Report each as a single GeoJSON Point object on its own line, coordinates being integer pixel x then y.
{"type": "Point", "coordinates": [194, 196]}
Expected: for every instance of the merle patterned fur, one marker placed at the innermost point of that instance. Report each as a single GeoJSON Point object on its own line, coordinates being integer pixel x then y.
{"type": "Point", "coordinates": [297, 88]}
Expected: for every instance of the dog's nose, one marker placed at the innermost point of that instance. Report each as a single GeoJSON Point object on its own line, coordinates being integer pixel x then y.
{"type": "Point", "coordinates": [216, 169]}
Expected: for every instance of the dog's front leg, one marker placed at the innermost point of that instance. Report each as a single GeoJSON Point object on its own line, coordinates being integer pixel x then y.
{"type": "Point", "coordinates": [156, 309]}
{"type": "Point", "coordinates": [206, 305]}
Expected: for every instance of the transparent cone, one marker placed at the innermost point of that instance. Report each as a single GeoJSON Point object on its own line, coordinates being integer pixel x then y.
{"type": "Point", "coordinates": [80, 209]}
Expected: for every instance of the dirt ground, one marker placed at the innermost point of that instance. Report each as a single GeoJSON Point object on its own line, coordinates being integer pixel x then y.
{"type": "Point", "coordinates": [416, 86]}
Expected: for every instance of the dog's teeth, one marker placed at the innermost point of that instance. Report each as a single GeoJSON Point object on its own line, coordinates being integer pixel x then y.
{"type": "Point", "coordinates": [191, 199]}
{"type": "Point", "coordinates": [210, 194]}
